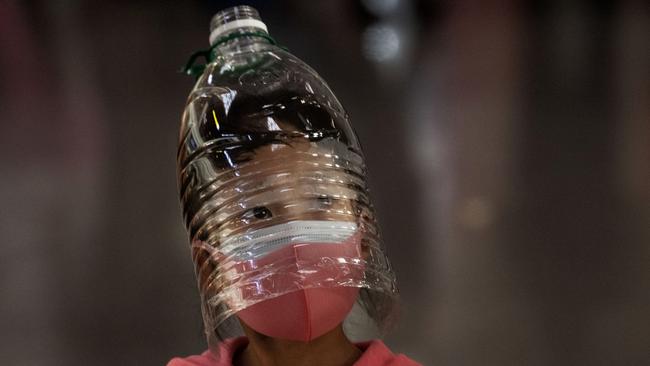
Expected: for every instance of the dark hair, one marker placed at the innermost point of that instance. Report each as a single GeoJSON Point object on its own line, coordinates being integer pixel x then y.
{"type": "Point", "coordinates": [247, 122]}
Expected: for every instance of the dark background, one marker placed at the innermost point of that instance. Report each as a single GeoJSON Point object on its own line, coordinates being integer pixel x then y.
{"type": "Point", "coordinates": [509, 153]}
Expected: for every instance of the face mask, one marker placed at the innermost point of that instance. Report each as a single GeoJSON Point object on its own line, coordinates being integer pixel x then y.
{"type": "Point", "coordinates": [309, 263]}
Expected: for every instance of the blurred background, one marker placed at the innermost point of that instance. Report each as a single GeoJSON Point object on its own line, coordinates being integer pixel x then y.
{"type": "Point", "coordinates": [508, 145]}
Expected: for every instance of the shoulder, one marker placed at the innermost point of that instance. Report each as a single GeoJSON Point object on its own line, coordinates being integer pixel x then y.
{"type": "Point", "coordinates": [224, 355]}
{"type": "Point", "coordinates": [376, 353]}
{"type": "Point", "coordinates": [204, 359]}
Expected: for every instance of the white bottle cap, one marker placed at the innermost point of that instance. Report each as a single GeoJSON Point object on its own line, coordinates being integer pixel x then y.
{"type": "Point", "coordinates": [233, 18]}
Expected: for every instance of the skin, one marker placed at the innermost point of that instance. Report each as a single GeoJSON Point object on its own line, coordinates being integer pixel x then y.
{"type": "Point", "coordinates": [332, 348]}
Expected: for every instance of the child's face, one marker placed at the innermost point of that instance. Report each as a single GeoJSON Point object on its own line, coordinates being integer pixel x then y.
{"type": "Point", "coordinates": [300, 184]}
{"type": "Point", "coordinates": [286, 193]}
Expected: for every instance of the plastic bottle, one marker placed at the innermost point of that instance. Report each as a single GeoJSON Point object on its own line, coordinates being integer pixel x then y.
{"type": "Point", "coordinates": [263, 141]}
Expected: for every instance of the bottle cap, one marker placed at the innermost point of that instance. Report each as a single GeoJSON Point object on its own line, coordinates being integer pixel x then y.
{"type": "Point", "coordinates": [232, 18]}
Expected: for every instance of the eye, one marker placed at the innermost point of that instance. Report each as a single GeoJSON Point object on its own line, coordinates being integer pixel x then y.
{"type": "Point", "coordinates": [261, 212]}
{"type": "Point", "coordinates": [324, 200]}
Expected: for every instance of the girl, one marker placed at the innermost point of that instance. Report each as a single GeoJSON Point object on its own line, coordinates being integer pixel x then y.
{"type": "Point", "coordinates": [284, 239]}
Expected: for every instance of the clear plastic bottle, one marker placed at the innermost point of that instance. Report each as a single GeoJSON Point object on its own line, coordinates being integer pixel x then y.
{"type": "Point", "coordinates": [263, 142]}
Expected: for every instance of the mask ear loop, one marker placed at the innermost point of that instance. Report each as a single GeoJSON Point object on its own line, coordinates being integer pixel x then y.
{"type": "Point", "coordinates": [193, 69]}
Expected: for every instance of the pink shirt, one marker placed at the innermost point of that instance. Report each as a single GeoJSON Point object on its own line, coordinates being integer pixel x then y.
{"type": "Point", "coordinates": [375, 353]}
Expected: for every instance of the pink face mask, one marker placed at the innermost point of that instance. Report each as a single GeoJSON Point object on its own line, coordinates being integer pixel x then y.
{"type": "Point", "coordinates": [309, 264]}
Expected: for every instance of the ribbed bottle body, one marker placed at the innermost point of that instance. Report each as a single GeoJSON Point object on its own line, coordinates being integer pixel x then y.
{"type": "Point", "coordinates": [267, 159]}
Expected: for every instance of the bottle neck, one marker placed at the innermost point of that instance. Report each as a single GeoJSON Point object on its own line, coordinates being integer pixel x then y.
{"type": "Point", "coordinates": [238, 29]}
{"type": "Point", "coordinates": [239, 40]}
